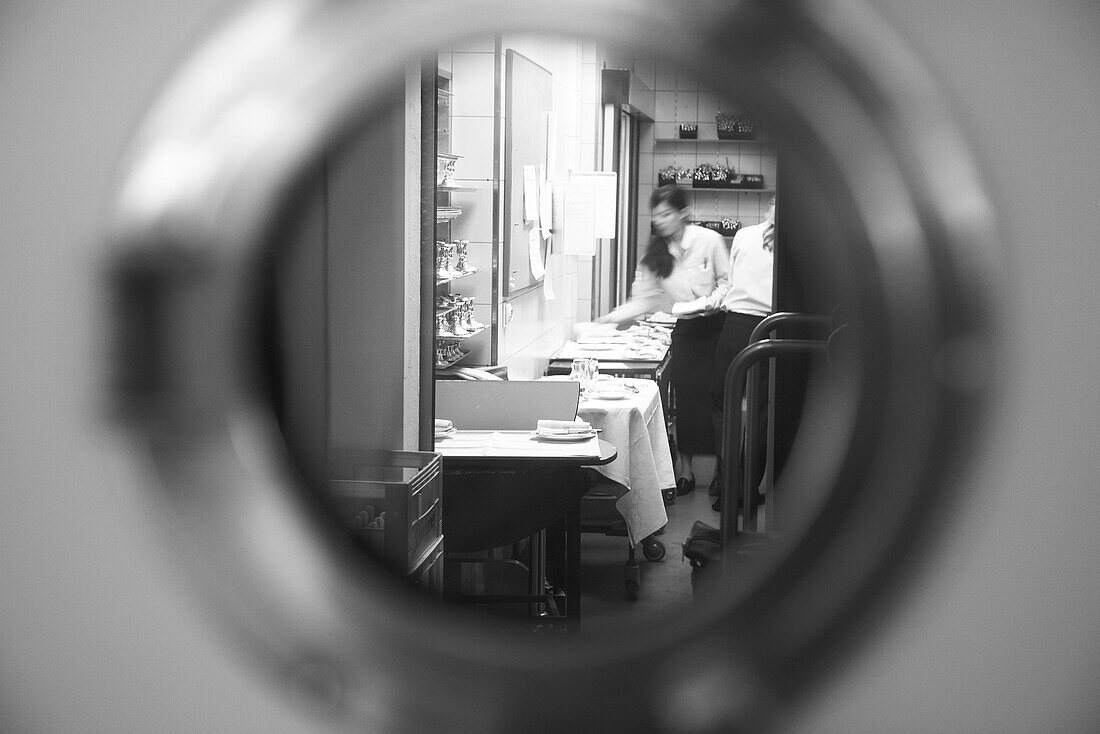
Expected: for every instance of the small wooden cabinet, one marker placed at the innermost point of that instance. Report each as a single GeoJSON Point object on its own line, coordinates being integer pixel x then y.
{"type": "Point", "coordinates": [392, 503]}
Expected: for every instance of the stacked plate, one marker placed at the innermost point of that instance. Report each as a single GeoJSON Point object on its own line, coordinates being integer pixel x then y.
{"type": "Point", "coordinates": [444, 428]}
{"type": "Point", "coordinates": [548, 430]}
{"type": "Point", "coordinates": [607, 390]}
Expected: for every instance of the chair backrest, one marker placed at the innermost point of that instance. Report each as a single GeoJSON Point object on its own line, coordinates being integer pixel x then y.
{"type": "Point", "coordinates": [504, 404]}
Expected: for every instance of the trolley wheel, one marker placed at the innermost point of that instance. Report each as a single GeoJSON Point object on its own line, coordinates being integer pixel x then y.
{"type": "Point", "coordinates": [653, 550]}
{"type": "Point", "coordinates": [669, 495]}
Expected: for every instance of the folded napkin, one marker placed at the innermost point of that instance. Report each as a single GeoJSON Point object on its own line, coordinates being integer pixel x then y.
{"type": "Point", "coordinates": [564, 428]}
{"type": "Point", "coordinates": [442, 424]}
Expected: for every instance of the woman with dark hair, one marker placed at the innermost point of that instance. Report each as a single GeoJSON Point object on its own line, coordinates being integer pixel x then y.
{"type": "Point", "coordinates": [681, 267]}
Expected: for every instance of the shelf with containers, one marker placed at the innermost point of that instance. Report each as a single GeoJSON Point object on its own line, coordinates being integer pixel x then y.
{"type": "Point", "coordinates": [454, 321]}
{"type": "Point", "coordinates": [666, 140]}
{"type": "Point", "coordinates": [701, 165]}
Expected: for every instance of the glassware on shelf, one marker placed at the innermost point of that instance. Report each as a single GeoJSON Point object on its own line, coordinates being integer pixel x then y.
{"type": "Point", "coordinates": [444, 251]}
{"type": "Point", "coordinates": [446, 213]}
{"type": "Point", "coordinates": [462, 258]}
{"type": "Point", "coordinates": [447, 353]}
{"type": "Point", "coordinates": [452, 260]}
{"type": "Point", "coordinates": [445, 170]}
{"type": "Point", "coordinates": [471, 321]}
{"type": "Point", "coordinates": [445, 301]}
{"type": "Point", "coordinates": [454, 323]}
{"type": "Point", "coordinates": [441, 269]}
{"type": "Point", "coordinates": [458, 319]}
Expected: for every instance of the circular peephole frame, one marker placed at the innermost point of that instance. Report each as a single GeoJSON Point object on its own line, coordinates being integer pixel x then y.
{"type": "Point", "coordinates": [868, 137]}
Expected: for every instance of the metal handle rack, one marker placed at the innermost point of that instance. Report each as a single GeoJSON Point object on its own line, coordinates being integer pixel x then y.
{"type": "Point", "coordinates": [773, 322]}
{"type": "Point", "coordinates": [735, 381]}
{"type": "Point", "coordinates": [807, 326]}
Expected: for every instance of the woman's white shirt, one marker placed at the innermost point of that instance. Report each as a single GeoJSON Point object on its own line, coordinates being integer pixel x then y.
{"type": "Point", "coordinates": [699, 267]}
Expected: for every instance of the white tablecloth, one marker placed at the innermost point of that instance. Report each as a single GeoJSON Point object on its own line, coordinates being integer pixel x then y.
{"type": "Point", "coordinates": [606, 342]}
{"type": "Point", "coordinates": [636, 427]}
{"type": "Point", "coordinates": [651, 351]}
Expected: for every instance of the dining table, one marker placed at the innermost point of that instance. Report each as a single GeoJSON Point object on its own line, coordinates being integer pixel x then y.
{"type": "Point", "coordinates": [629, 415]}
{"type": "Point", "coordinates": [502, 486]}
{"type": "Point", "coordinates": [641, 351]}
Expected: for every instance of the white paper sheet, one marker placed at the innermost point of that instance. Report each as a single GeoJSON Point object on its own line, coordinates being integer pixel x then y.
{"type": "Point", "coordinates": [548, 284]}
{"type": "Point", "coordinates": [605, 190]}
{"type": "Point", "coordinates": [579, 227]}
{"type": "Point", "coordinates": [534, 253]}
{"type": "Point", "coordinates": [546, 203]}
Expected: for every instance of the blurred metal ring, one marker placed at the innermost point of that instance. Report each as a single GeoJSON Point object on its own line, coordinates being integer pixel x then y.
{"type": "Point", "coordinates": [867, 133]}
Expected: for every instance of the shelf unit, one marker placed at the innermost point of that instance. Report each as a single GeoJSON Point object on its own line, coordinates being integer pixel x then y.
{"type": "Point", "coordinates": [454, 320]}
{"type": "Point", "coordinates": [707, 144]}
{"type": "Point", "coordinates": [445, 280]}
{"type": "Point", "coordinates": [686, 186]}
{"type": "Point", "coordinates": [720, 141]}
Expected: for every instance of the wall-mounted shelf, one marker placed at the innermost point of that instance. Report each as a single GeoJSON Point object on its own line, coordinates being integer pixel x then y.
{"type": "Point", "coordinates": [467, 335]}
{"type": "Point", "coordinates": [456, 276]}
{"type": "Point", "coordinates": [689, 187]}
{"type": "Point", "coordinates": [451, 361]}
{"type": "Point", "coordinates": [722, 141]}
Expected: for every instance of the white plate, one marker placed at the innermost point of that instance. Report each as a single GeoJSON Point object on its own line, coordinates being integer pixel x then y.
{"type": "Point", "coordinates": [565, 436]}
{"type": "Point", "coordinates": [601, 339]}
{"type": "Point", "coordinates": [610, 395]}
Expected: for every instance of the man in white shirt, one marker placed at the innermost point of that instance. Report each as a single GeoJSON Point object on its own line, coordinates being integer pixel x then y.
{"type": "Point", "coordinates": [746, 298]}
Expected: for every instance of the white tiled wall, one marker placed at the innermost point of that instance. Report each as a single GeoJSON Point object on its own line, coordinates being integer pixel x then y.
{"type": "Point", "coordinates": [539, 326]}
{"type": "Point", "coordinates": [531, 327]}
{"type": "Point", "coordinates": [680, 99]}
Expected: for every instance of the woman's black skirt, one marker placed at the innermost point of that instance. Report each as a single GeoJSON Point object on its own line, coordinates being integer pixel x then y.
{"type": "Point", "coordinates": [693, 346]}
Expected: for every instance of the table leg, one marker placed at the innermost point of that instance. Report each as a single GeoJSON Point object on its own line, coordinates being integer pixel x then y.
{"type": "Point", "coordinates": [573, 563]}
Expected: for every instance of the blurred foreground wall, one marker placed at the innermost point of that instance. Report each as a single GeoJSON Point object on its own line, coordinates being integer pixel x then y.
{"type": "Point", "coordinates": [98, 633]}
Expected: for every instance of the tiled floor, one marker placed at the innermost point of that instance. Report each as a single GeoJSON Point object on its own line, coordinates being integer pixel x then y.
{"type": "Point", "coordinates": [664, 590]}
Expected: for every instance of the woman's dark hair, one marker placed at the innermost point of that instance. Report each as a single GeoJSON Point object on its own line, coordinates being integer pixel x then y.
{"type": "Point", "coordinates": [657, 257]}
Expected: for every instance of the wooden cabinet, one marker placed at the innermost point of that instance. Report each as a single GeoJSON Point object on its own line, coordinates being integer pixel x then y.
{"type": "Point", "coordinates": [392, 503]}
